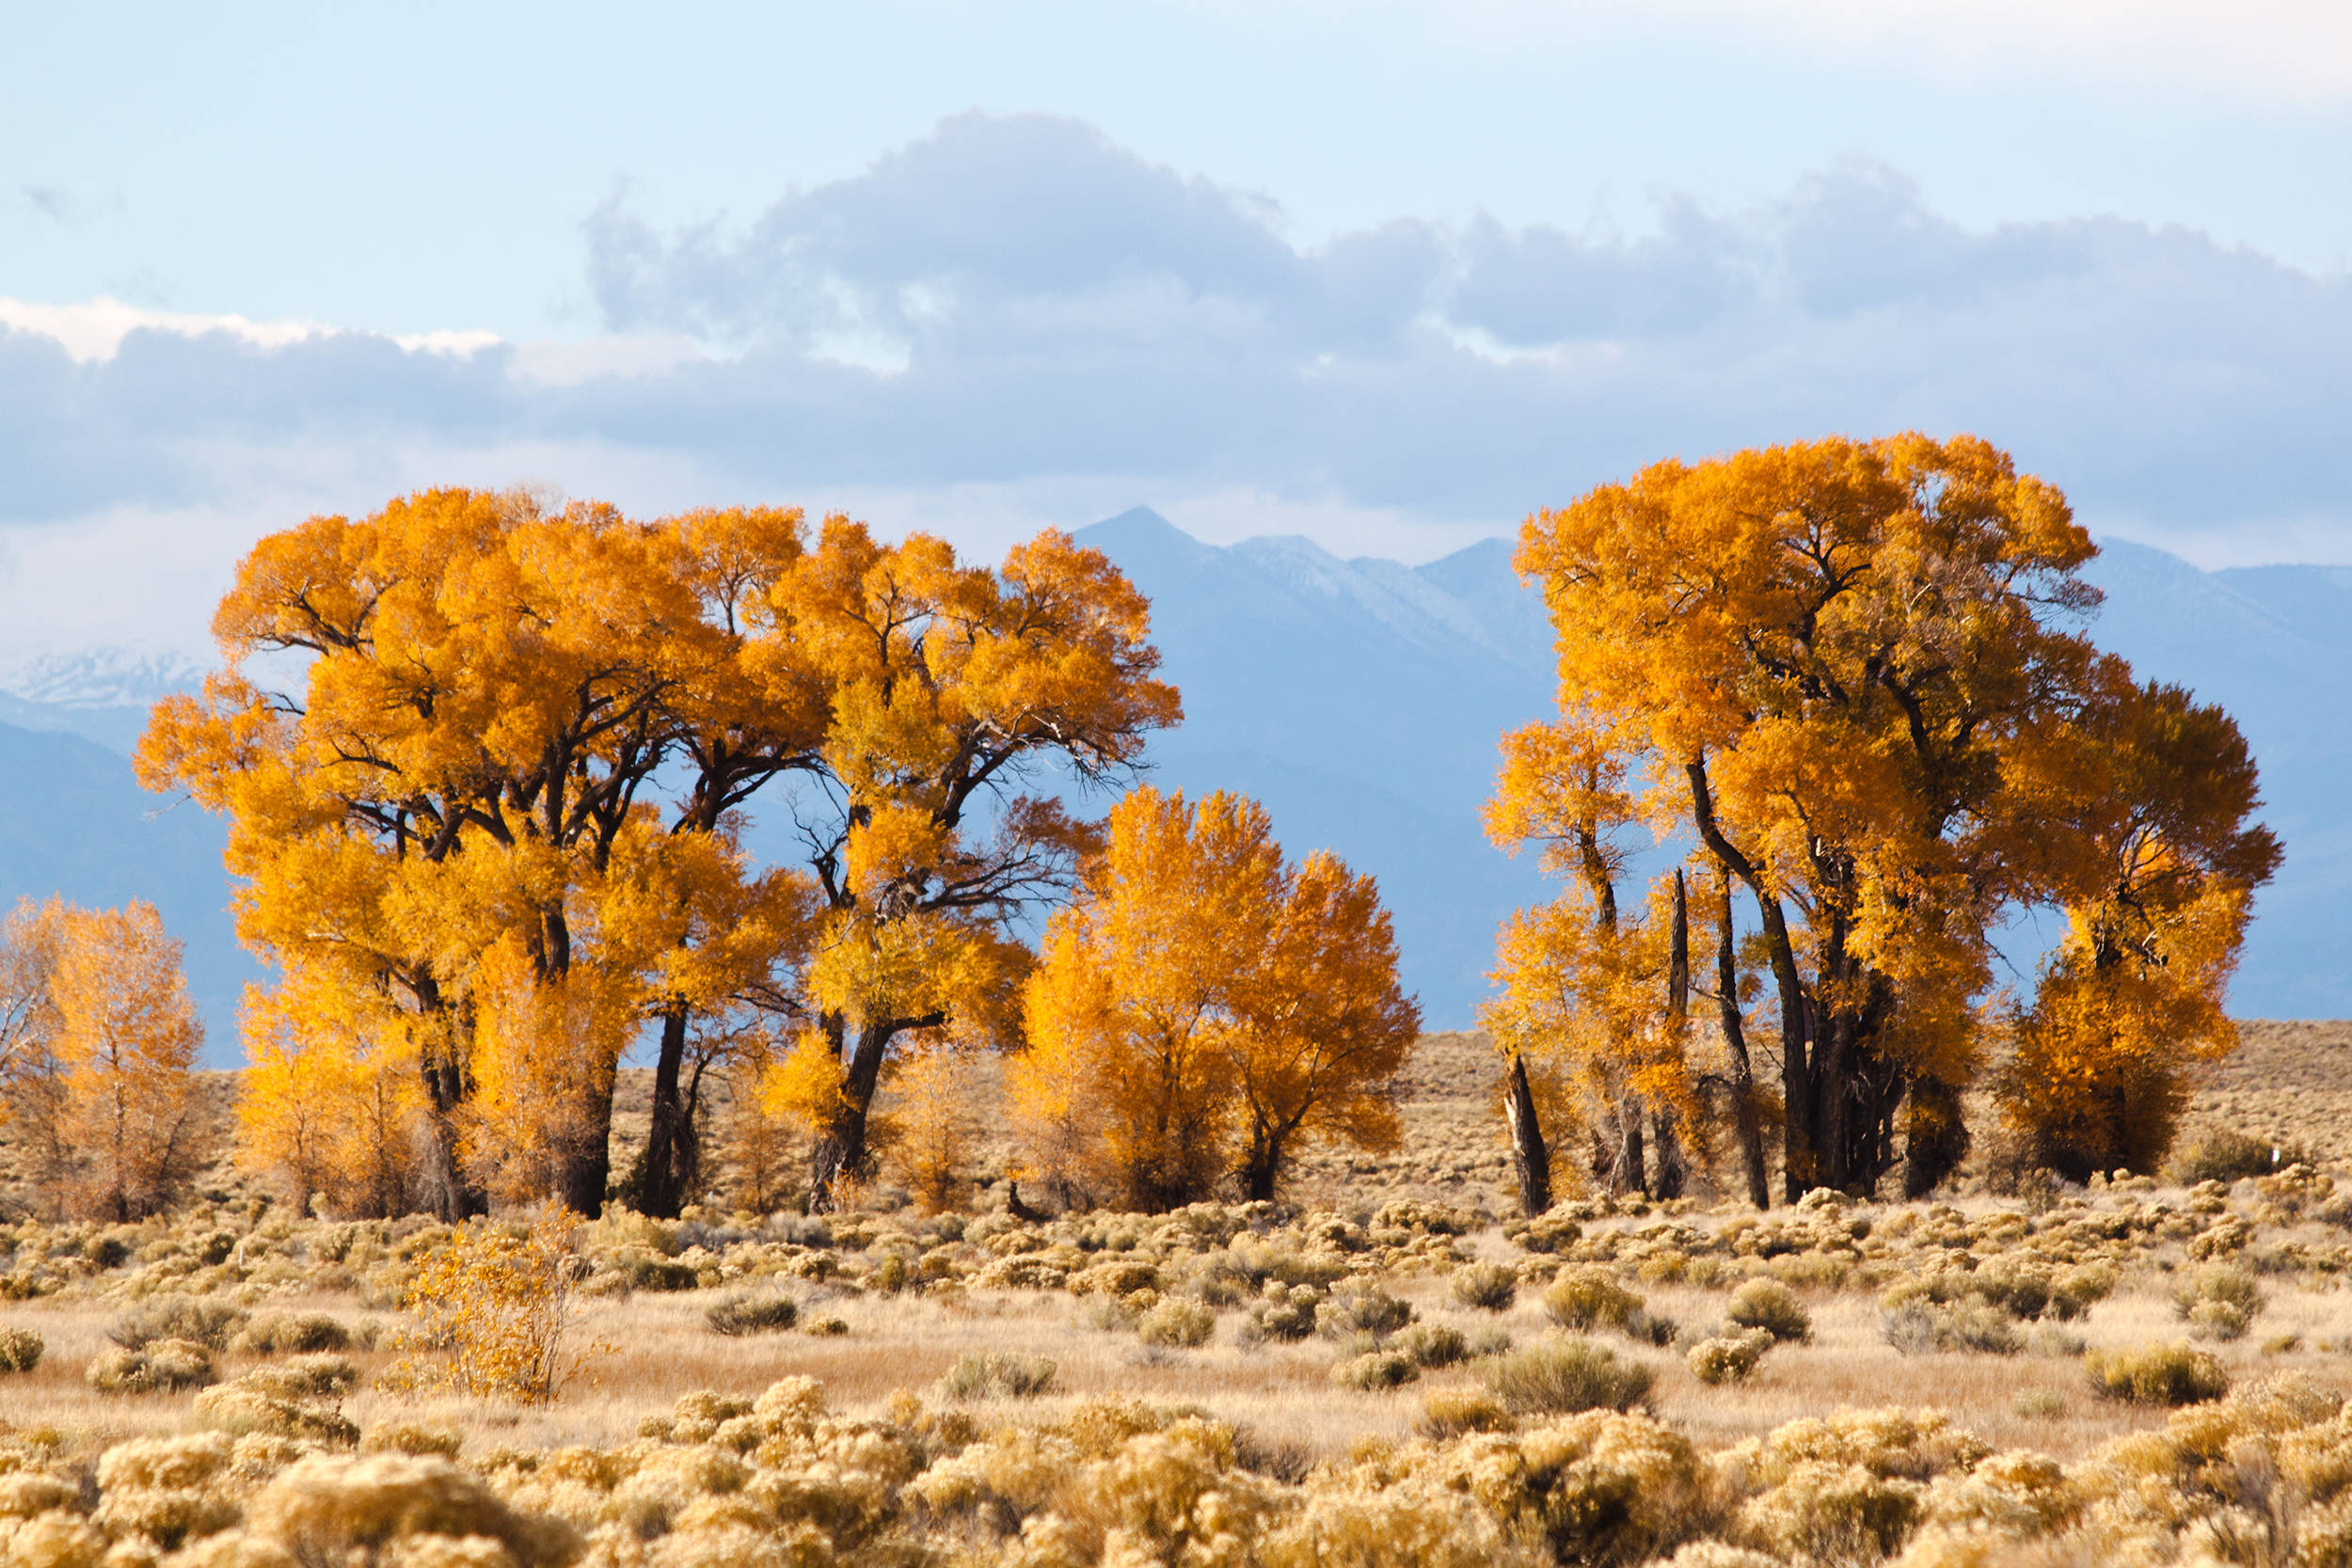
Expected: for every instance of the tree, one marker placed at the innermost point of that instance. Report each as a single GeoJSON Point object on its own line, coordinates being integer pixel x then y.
{"type": "Point", "coordinates": [1842, 672]}
{"type": "Point", "coordinates": [1207, 1010]}
{"type": "Point", "coordinates": [325, 1106]}
{"type": "Point", "coordinates": [948, 688]}
{"type": "Point", "coordinates": [2134, 992]}
{"type": "Point", "coordinates": [32, 1079]}
{"type": "Point", "coordinates": [126, 1045]}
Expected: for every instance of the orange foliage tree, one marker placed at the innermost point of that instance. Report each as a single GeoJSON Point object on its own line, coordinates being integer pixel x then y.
{"type": "Point", "coordinates": [124, 1118]}
{"type": "Point", "coordinates": [1841, 675]}
{"type": "Point", "coordinates": [1207, 1010]}
{"type": "Point", "coordinates": [443, 734]}
{"type": "Point", "coordinates": [2133, 995]}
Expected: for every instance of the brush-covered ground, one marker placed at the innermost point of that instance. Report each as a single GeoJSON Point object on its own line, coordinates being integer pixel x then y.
{"type": "Point", "coordinates": [1380, 1369]}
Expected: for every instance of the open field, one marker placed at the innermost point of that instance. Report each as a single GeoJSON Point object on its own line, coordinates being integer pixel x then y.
{"type": "Point", "coordinates": [1973, 1317]}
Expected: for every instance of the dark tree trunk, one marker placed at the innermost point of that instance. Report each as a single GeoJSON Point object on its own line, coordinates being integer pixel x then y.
{"type": "Point", "coordinates": [1744, 1110]}
{"type": "Point", "coordinates": [1670, 1167]}
{"type": "Point", "coordinates": [664, 1169]}
{"type": "Point", "coordinates": [1529, 1157]}
{"type": "Point", "coordinates": [840, 1148]}
{"type": "Point", "coordinates": [1936, 1139]}
{"type": "Point", "coordinates": [587, 1169]}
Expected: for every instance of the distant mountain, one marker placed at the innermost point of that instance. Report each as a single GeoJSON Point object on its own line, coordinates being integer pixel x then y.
{"type": "Point", "coordinates": [1360, 699]}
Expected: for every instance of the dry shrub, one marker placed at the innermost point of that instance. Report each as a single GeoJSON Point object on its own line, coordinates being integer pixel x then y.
{"type": "Point", "coordinates": [2219, 1301]}
{"type": "Point", "coordinates": [1284, 1311]}
{"type": "Point", "coordinates": [1447, 1413]}
{"type": "Point", "coordinates": [19, 1350]}
{"type": "Point", "coordinates": [398, 1507]}
{"type": "Point", "coordinates": [1375, 1370]}
{"type": "Point", "coordinates": [497, 1308]}
{"type": "Point", "coordinates": [1361, 1307]}
{"type": "Point", "coordinates": [1729, 1358]}
{"type": "Point", "coordinates": [1768, 1305]}
{"type": "Point", "coordinates": [1600, 1488]}
{"type": "Point", "coordinates": [279, 1332]}
{"type": "Point", "coordinates": [1586, 1296]}
{"type": "Point", "coordinates": [2156, 1375]}
{"type": "Point", "coordinates": [1568, 1377]}
{"type": "Point", "coordinates": [752, 1312]}
{"type": "Point", "coordinates": [1824, 1512]}
{"type": "Point", "coordinates": [413, 1439]}
{"type": "Point", "coordinates": [2228, 1155]}
{"type": "Point", "coordinates": [208, 1322]}
{"type": "Point", "coordinates": [1432, 1344]}
{"type": "Point", "coordinates": [1924, 1328]}
{"type": "Point", "coordinates": [166, 1365]}
{"type": "Point", "coordinates": [1486, 1286]}
{"type": "Point", "coordinates": [167, 1490]}
{"type": "Point", "coordinates": [1177, 1323]}
{"type": "Point", "coordinates": [998, 1374]}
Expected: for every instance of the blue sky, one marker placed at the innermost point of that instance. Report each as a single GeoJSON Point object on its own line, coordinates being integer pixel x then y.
{"type": "Point", "coordinates": [1386, 275]}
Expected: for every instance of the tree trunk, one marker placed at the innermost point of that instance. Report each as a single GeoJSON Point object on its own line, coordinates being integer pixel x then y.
{"type": "Point", "coordinates": [840, 1147]}
{"type": "Point", "coordinates": [1936, 1139]}
{"type": "Point", "coordinates": [661, 1171]}
{"type": "Point", "coordinates": [587, 1168]}
{"type": "Point", "coordinates": [1743, 1111]}
{"type": "Point", "coordinates": [1529, 1157]}
{"type": "Point", "coordinates": [1670, 1167]}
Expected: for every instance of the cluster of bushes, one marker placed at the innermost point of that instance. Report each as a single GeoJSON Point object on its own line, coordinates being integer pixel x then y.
{"type": "Point", "coordinates": [1501, 1476]}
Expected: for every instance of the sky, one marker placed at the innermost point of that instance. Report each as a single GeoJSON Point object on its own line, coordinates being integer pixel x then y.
{"type": "Point", "coordinates": [1389, 276]}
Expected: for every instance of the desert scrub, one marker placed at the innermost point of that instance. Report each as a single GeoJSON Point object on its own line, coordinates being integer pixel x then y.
{"type": "Point", "coordinates": [752, 1312]}
{"type": "Point", "coordinates": [161, 1365]}
{"type": "Point", "coordinates": [391, 1508]}
{"type": "Point", "coordinates": [1485, 1287]}
{"type": "Point", "coordinates": [1432, 1344]}
{"type": "Point", "coordinates": [2156, 1375]}
{"type": "Point", "coordinates": [1284, 1311]}
{"type": "Point", "coordinates": [1361, 1307]}
{"type": "Point", "coordinates": [206, 1321]}
{"type": "Point", "coordinates": [1456, 1412]}
{"type": "Point", "coordinates": [1559, 1377]}
{"type": "Point", "coordinates": [413, 1439]}
{"type": "Point", "coordinates": [492, 1311]}
{"type": "Point", "coordinates": [1177, 1323]}
{"type": "Point", "coordinates": [1586, 1296]}
{"type": "Point", "coordinates": [1768, 1305]}
{"type": "Point", "coordinates": [19, 1350]}
{"type": "Point", "coordinates": [1968, 1327]}
{"type": "Point", "coordinates": [292, 1332]}
{"type": "Point", "coordinates": [1375, 1370]}
{"type": "Point", "coordinates": [2221, 1301]}
{"type": "Point", "coordinates": [1729, 1357]}
{"type": "Point", "coordinates": [998, 1374]}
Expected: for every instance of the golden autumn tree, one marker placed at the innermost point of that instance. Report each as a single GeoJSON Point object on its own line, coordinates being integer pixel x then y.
{"type": "Point", "coordinates": [1832, 671]}
{"type": "Point", "coordinates": [1207, 1010]}
{"type": "Point", "coordinates": [2134, 993]}
{"type": "Point", "coordinates": [329, 1106]}
{"type": "Point", "coordinates": [949, 689]}
{"type": "Point", "coordinates": [128, 1119]}
{"type": "Point", "coordinates": [474, 696]}
{"type": "Point", "coordinates": [32, 1081]}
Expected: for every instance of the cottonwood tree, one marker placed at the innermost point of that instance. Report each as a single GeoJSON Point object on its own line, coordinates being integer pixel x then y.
{"type": "Point", "coordinates": [2133, 995]}
{"type": "Point", "coordinates": [127, 1122]}
{"type": "Point", "coordinates": [1846, 675]}
{"type": "Point", "coordinates": [1206, 1011]}
{"type": "Point", "coordinates": [328, 1107]}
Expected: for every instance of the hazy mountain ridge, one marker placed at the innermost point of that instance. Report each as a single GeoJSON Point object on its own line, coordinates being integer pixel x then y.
{"type": "Point", "coordinates": [1361, 700]}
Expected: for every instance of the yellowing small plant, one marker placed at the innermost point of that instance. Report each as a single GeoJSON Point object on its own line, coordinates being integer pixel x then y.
{"type": "Point", "coordinates": [492, 1310]}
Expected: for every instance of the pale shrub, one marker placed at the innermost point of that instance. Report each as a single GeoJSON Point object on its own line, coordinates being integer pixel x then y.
{"type": "Point", "coordinates": [1375, 1370]}
{"type": "Point", "coordinates": [1599, 1487]}
{"type": "Point", "coordinates": [2156, 1375]}
{"type": "Point", "coordinates": [1768, 1305]}
{"type": "Point", "coordinates": [278, 1332]}
{"type": "Point", "coordinates": [413, 1439]}
{"type": "Point", "coordinates": [1729, 1358]}
{"type": "Point", "coordinates": [334, 1509]}
{"type": "Point", "coordinates": [1566, 1376]}
{"type": "Point", "coordinates": [165, 1490]}
{"type": "Point", "coordinates": [1361, 1308]}
{"type": "Point", "coordinates": [1432, 1344]}
{"type": "Point", "coordinates": [1284, 1311]}
{"type": "Point", "coordinates": [998, 1374]}
{"type": "Point", "coordinates": [1486, 1286]}
{"type": "Point", "coordinates": [1398, 1526]}
{"type": "Point", "coordinates": [206, 1321]}
{"type": "Point", "coordinates": [1586, 1296]}
{"type": "Point", "coordinates": [1972, 1327]}
{"type": "Point", "coordinates": [19, 1350]}
{"type": "Point", "coordinates": [1453, 1412]}
{"type": "Point", "coordinates": [56, 1540]}
{"type": "Point", "coordinates": [1824, 1512]}
{"type": "Point", "coordinates": [1177, 1323]}
{"type": "Point", "coordinates": [2221, 1301]}
{"type": "Point", "coordinates": [166, 1365]}
{"type": "Point", "coordinates": [752, 1312]}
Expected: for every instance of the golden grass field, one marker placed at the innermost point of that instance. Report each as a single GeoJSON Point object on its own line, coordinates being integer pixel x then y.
{"type": "Point", "coordinates": [1298, 1457]}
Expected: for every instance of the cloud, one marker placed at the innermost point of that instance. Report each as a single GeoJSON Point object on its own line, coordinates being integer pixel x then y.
{"type": "Point", "coordinates": [1018, 314]}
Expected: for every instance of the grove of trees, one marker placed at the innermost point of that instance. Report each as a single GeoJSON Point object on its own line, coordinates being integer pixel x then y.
{"type": "Point", "coordinates": [1846, 684]}
{"type": "Point", "coordinates": [515, 789]}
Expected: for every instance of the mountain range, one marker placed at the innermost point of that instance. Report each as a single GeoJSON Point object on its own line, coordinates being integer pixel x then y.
{"type": "Point", "coordinates": [1360, 700]}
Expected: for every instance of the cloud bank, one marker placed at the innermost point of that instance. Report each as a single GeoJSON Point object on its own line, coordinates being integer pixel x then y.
{"type": "Point", "coordinates": [1017, 307]}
